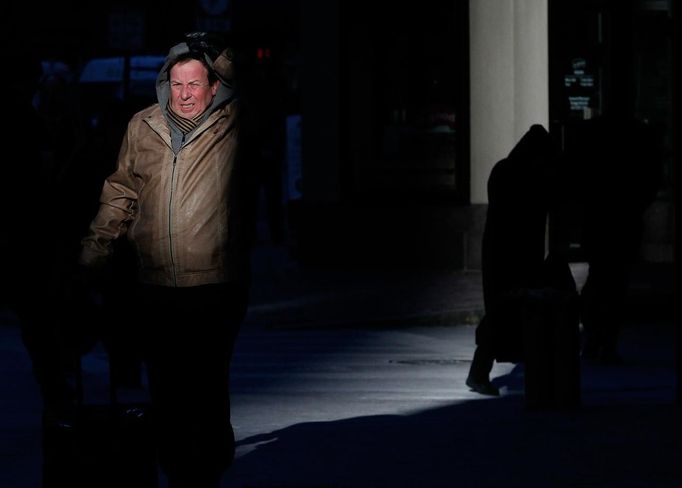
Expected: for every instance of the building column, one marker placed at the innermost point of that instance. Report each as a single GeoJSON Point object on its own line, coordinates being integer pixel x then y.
{"type": "Point", "coordinates": [509, 80]}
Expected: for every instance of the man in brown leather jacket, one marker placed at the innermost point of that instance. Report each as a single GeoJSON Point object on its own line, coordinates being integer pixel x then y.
{"type": "Point", "coordinates": [180, 196]}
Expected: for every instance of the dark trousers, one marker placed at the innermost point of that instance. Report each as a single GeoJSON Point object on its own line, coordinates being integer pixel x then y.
{"type": "Point", "coordinates": [50, 357]}
{"type": "Point", "coordinates": [603, 300]}
{"type": "Point", "coordinates": [188, 340]}
{"type": "Point", "coordinates": [56, 328]}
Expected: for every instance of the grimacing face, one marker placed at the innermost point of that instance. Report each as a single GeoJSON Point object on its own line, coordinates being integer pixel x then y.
{"type": "Point", "coordinates": [191, 92]}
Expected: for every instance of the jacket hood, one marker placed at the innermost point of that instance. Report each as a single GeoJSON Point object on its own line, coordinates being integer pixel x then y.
{"type": "Point", "coordinates": [534, 148]}
{"type": "Point", "coordinates": [220, 63]}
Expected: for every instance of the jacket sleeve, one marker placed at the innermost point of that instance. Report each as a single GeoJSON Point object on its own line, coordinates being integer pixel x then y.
{"type": "Point", "coordinates": [118, 205]}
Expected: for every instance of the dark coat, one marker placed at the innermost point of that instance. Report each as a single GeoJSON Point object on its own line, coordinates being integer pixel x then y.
{"type": "Point", "coordinates": [513, 247]}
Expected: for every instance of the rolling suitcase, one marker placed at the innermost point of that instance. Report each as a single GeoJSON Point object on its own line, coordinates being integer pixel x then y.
{"type": "Point", "coordinates": [107, 444]}
{"type": "Point", "coordinates": [552, 351]}
{"type": "Point", "coordinates": [551, 337]}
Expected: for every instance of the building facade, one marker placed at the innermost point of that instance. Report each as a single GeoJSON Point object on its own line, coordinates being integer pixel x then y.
{"type": "Point", "coordinates": [406, 112]}
{"type": "Point", "coordinates": [388, 121]}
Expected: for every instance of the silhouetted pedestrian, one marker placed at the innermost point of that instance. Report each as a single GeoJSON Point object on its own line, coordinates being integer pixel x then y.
{"type": "Point", "coordinates": [105, 117]}
{"type": "Point", "coordinates": [619, 174]}
{"type": "Point", "coordinates": [31, 253]}
{"type": "Point", "coordinates": [513, 251]}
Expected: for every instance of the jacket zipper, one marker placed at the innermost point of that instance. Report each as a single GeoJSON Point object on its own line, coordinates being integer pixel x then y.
{"type": "Point", "coordinates": [170, 222]}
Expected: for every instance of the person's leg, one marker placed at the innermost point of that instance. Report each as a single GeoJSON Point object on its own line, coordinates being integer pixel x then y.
{"type": "Point", "coordinates": [188, 367]}
{"type": "Point", "coordinates": [45, 347]}
{"type": "Point", "coordinates": [479, 373]}
{"type": "Point", "coordinates": [482, 362]}
{"type": "Point", "coordinates": [602, 301]}
{"type": "Point", "coordinates": [122, 340]}
{"type": "Point", "coordinates": [591, 317]}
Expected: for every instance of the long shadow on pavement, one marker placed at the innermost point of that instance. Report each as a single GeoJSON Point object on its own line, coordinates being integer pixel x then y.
{"type": "Point", "coordinates": [480, 443]}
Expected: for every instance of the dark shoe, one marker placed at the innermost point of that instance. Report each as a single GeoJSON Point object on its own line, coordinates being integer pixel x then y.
{"type": "Point", "coordinates": [483, 387]}
{"type": "Point", "coordinates": [59, 405]}
{"type": "Point", "coordinates": [60, 418]}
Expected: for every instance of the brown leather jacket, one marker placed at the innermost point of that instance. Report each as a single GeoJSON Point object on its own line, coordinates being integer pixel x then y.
{"type": "Point", "coordinates": [181, 212]}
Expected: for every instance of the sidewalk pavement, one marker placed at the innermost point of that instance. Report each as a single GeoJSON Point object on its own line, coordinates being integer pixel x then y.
{"type": "Point", "coordinates": [392, 410]}
{"type": "Point", "coordinates": [286, 294]}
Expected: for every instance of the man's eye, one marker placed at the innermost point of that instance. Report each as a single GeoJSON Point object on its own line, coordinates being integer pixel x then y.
{"type": "Point", "coordinates": [190, 86]}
